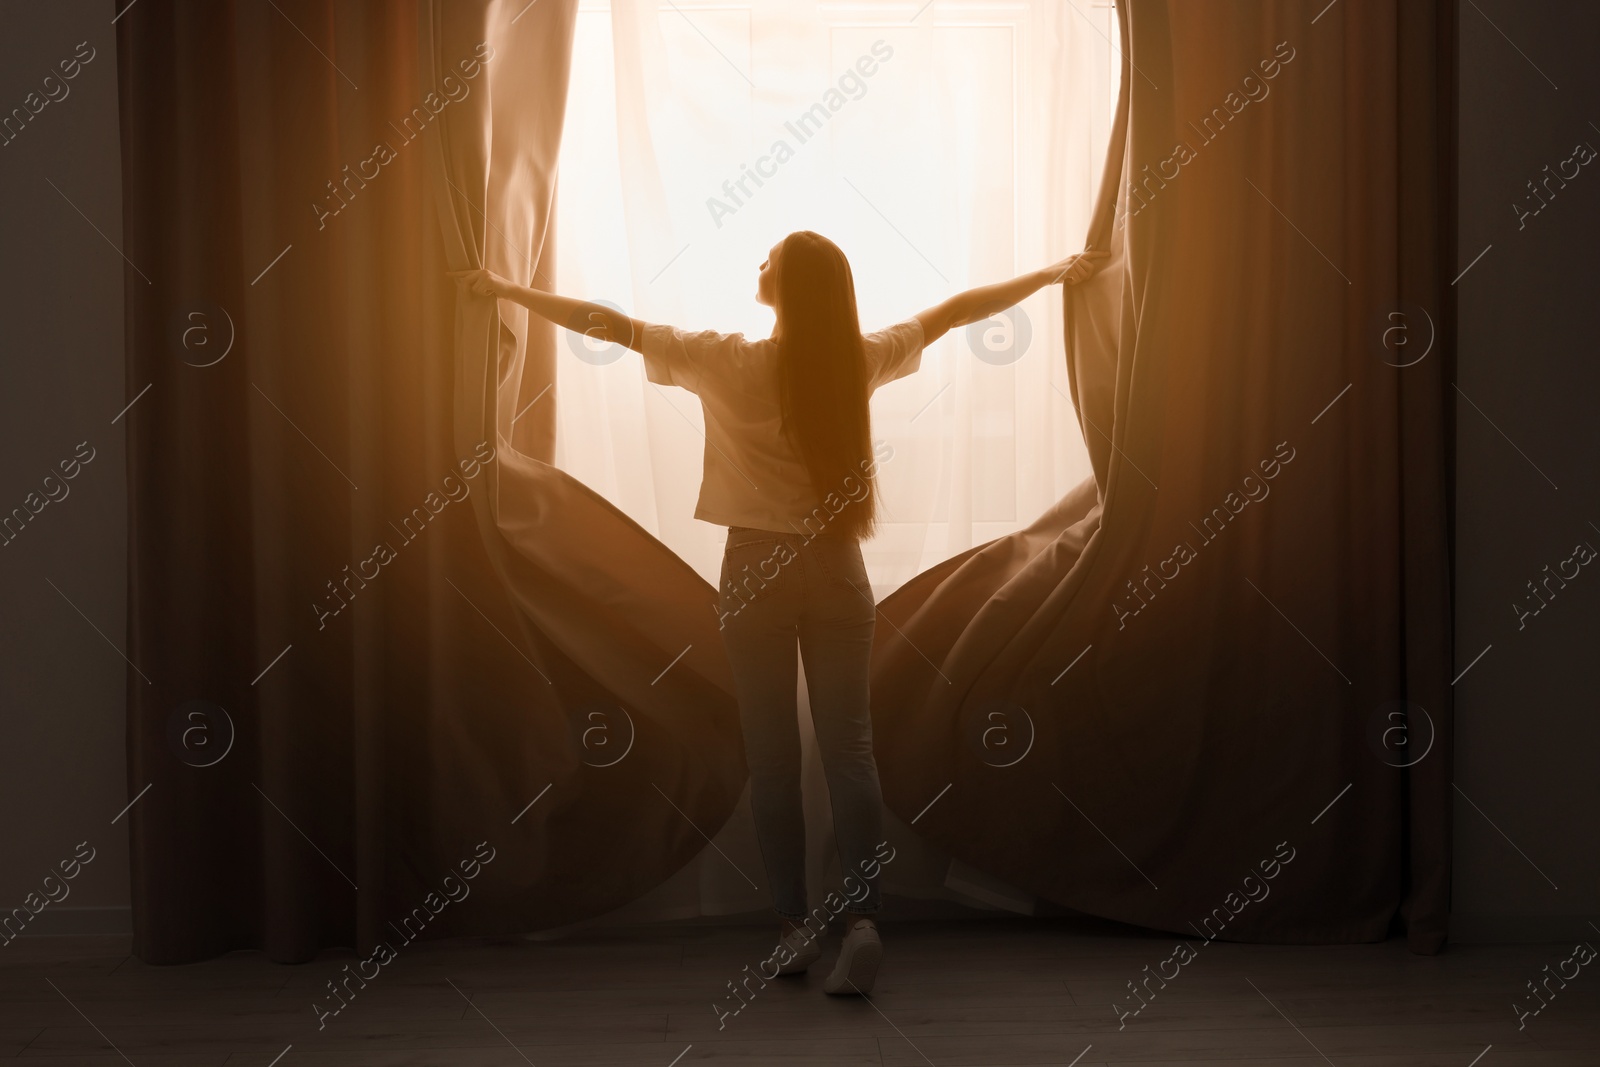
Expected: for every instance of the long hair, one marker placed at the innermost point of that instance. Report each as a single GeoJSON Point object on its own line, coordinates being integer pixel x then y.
{"type": "Point", "coordinates": [822, 375]}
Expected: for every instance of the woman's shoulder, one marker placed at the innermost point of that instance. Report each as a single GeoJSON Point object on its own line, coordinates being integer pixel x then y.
{"type": "Point", "coordinates": [894, 351]}
{"type": "Point", "coordinates": [904, 334]}
{"type": "Point", "coordinates": [706, 340]}
{"type": "Point", "coordinates": [699, 359]}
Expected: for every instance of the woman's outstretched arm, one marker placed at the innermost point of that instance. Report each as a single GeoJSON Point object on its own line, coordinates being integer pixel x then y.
{"type": "Point", "coordinates": [975, 305]}
{"type": "Point", "coordinates": [580, 316]}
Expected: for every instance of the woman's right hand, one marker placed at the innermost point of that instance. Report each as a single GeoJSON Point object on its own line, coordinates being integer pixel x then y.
{"type": "Point", "coordinates": [484, 282]}
{"type": "Point", "coordinates": [1075, 269]}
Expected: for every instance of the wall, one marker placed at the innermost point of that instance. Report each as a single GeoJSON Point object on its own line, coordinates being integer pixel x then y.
{"type": "Point", "coordinates": [1528, 796]}
{"type": "Point", "coordinates": [63, 574]}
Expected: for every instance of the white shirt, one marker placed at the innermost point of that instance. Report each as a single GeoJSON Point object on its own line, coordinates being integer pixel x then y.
{"type": "Point", "coordinates": [752, 475]}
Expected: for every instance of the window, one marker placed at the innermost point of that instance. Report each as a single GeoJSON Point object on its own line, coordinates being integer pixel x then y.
{"type": "Point", "coordinates": [942, 148]}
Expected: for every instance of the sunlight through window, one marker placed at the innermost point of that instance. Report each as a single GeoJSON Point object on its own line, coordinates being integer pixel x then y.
{"type": "Point", "coordinates": [942, 148]}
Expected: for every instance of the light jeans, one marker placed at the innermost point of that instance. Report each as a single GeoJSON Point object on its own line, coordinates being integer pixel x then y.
{"type": "Point", "coordinates": [778, 589]}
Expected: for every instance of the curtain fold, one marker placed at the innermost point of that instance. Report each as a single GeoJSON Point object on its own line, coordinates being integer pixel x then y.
{"type": "Point", "coordinates": [1207, 647]}
{"type": "Point", "coordinates": [356, 684]}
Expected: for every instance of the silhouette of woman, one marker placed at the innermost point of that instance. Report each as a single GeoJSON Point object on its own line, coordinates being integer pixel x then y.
{"type": "Point", "coordinates": [789, 468]}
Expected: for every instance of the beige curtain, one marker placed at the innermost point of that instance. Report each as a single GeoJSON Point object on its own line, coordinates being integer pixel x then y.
{"type": "Point", "coordinates": [620, 630]}
{"type": "Point", "coordinates": [1205, 644]}
{"type": "Point", "coordinates": [537, 672]}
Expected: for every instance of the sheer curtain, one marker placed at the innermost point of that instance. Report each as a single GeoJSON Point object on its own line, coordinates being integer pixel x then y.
{"type": "Point", "coordinates": [970, 153]}
{"type": "Point", "coordinates": [950, 149]}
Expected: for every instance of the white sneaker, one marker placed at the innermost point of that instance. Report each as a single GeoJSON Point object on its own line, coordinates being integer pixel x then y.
{"type": "Point", "coordinates": [859, 958]}
{"type": "Point", "coordinates": [803, 947]}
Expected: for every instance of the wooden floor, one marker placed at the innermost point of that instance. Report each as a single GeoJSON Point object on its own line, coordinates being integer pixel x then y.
{"type": "Point", "coordinates": [990, 992]}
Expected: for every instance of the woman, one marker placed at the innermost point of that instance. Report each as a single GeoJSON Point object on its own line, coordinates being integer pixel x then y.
{"type": "Point", "coordinates": [789, 468]}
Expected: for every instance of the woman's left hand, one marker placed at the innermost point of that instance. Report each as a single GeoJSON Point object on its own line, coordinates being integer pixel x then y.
{"type": "Point", "coordinates": [1075, 269]}
{"type": "Point", "coordinates": [483, 281]}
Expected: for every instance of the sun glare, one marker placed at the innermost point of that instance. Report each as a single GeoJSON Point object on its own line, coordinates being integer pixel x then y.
{"type": "Point", "coordinates": [699, 135]}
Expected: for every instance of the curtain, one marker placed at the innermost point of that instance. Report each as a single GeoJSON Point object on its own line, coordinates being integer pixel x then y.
{"type": "Point", "coordinates": [389, 653]}
{"type": "Point", "coordinates": [1230, 651]}
{"type": "Point", "coordinates": [355, 689]}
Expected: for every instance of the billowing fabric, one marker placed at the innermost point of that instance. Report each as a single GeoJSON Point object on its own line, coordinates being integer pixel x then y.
{"type": "Point", "coordinates": [392, 680]}
{"type": "Point", "coordinates": [1195, 665]}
